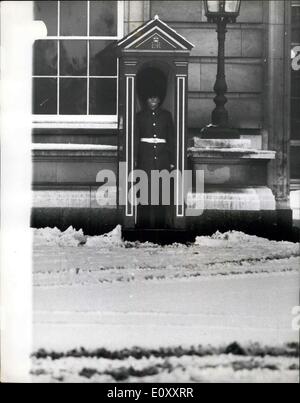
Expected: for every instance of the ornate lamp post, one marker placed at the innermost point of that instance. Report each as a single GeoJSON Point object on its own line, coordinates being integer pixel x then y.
{"type": "Point", "coordinates": [221, 12]}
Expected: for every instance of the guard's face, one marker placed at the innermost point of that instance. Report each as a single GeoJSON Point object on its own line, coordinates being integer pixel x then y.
{"type": "Point", "coordinates": [153, 102]}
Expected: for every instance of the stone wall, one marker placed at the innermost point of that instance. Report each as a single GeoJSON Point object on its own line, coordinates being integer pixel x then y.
{"type": "Point", "coordinates": [257, 76]}
{"type": "Point", "coordinates": [245, 52]}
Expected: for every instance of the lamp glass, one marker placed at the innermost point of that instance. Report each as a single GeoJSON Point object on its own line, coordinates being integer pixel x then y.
{"type": "Point", "coordinates": [213, 6]}
{"type": "Point", "coordinates": [231, 6]}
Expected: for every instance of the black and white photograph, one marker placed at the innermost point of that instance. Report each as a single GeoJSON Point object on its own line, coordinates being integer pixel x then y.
{"type": "Point", "coordinates": [150, 193]}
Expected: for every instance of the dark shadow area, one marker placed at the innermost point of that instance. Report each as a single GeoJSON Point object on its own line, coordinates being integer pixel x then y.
{"type": "Point", "coordinates": [159, 236]}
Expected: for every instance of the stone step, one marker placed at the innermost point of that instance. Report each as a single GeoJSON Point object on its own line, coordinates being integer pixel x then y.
{"type": "Point", "coordinates": [221, 143]}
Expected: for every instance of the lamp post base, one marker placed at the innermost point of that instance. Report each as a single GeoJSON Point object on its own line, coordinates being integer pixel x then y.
{"type": "Point", "coordinates": [216, 132]}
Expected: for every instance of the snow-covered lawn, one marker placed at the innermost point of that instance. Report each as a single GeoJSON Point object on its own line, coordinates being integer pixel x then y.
{"type": "Point", "coordinates": [96, 293]}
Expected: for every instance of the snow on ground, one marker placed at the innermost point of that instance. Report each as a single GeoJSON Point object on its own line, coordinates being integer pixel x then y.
{"type": "Point", "coordinates": [155, 367]}
{"type": "Point", "coordinates": [70, 258]}
{"type": "Point", "coordinates": [102, 292]}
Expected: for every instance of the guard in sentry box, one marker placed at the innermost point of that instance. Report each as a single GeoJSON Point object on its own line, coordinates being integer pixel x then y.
{"type": "Point", "coordinates": [155, 150]}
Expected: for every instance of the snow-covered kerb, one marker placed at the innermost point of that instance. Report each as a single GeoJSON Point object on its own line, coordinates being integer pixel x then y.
{"type": "Point", "coordinates": [107, 258]}
{"type": "Point", "coordinates": [72, 237]}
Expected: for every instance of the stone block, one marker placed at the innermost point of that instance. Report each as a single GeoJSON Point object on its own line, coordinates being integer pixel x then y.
{"type": "Point", "coordinates": [174, 11]}
{"type": "Point", "coordinates": [199, 112]}
{"type": "Point", "coordinates": [256, 140]}
{"type": "Point", "coordinates": [194, 77]}
{"type": "Point", "coordinates": [205, 41]}
{"type": "Point", "coordinates": [78, 172]}
{"type": "Point", "coordinates": [136, 11]}
{"type": "Point", "coordinates": [295, 204]}
{"type": "Point", "coordinates": [53, 198]}
{"type": "Point", "coordinates": [239, 77]}
{"type": "Point", "coordinates": [230, 199]}
{"type": "Point", "coordinates": [44, 171]}
{"type": "Point", "coordinates": [251, 12]}
{"type": "Point", "coordinates": [220, 143]}
{"type": "Point", "coordinates": [232, 174]}
{"type": "Point", "coordinates": [233, 199]}
{"type": "Point", "coordinates": [133, 25]}
{"type": "Point", "coordinates": [104, 197]}
{"type": "Point", "coordinates": [266, 198]}
{"type": "Point", "coordinates": [252, 43]}
{"type": "Point", "coordinates": [243, 112]}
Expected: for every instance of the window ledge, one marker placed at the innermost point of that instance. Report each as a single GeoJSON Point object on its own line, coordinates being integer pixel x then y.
{"type": "Point", "coordinates": [73, 147]}
{"type": "Point", "coordinates": [75, 125]}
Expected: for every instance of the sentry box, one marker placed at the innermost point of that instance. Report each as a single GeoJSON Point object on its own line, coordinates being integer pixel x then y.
{"type": "Point", "coordinates": [153, 57]}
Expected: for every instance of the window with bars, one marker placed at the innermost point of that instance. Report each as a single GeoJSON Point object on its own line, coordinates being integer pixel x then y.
{"type": "Point", "coordinates": [75, 71]}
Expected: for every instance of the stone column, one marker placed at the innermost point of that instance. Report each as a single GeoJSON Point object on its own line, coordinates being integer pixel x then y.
{"type": "Point", "coordinates": [277, 100]}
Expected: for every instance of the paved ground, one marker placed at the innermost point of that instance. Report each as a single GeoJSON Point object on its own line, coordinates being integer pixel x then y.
{"type": "Point", "coordinates": [172, 312]}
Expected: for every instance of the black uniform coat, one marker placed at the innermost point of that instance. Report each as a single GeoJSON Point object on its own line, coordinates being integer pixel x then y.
{"type": "Point", "coordinates": [150, 156]}
{"type": "Point", "coordinates": [154, 124]}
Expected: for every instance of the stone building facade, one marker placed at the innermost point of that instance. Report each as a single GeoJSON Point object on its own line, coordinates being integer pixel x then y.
{"type": "Point", "coordinates": [76, 111]}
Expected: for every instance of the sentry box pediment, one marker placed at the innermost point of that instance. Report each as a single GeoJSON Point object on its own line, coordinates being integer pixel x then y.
{"type": "Point", "coordinates": [155, 36]}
